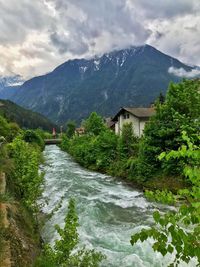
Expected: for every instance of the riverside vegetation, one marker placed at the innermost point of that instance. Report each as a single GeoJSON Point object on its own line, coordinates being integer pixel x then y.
{"type": "Point", "coordinates": [166, 157]}
{"type": "Point", "coordinates": [20, 156]}
{"type": "Point", "coordinates": [168, 151]}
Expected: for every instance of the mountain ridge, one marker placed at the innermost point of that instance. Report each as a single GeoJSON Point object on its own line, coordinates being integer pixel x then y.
{"type": "Point", "coordinates": [128, 77]}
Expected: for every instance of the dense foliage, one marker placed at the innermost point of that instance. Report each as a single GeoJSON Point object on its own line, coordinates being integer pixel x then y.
{"type": "Point", "coordinates": [20, 156]}
{"type": "Point", "coordinates": [26, 177]}
{"type": "Point", "coordinates": [20, 161]}
{"type": "Point", "coordinates": [127, 156]}
{"type": "Point", "coordinates": [98, 148]}
{"type": "Point", "coordinates": [33, 137]}
{"type": "Point", "coordinates": [65, 252]}
{"type": "Point", "coordinates": [71, 126]}
{"type": "Point", "coordinates": [180, 112]}
{"type": "Point", "coordinates": [8, 130]}
{"type": "Point", "coordinates": [94, 124]}
{"type": "Point", "coordinates": [178, 232]}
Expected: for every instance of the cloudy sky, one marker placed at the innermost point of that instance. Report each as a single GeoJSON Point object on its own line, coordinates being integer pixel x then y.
{"type": "Point", "coordinates": [38, 35]}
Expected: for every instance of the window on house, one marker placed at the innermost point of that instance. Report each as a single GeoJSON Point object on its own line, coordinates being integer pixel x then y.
{"type": "Point", "coordinates": [126, 116]}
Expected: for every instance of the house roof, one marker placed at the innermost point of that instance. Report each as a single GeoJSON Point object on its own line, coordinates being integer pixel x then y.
{"type": "Point", "coordinates": [137, 112]}
{"type": "Point", "coordinates": [109, 122]}
{"type": "Point", "coordinates": [80, 129]}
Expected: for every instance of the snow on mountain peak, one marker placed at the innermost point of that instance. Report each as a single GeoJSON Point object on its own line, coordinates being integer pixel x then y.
{"type": "Point", "coordinates": [11, 81]}
{"type": "Point", "coordinates": [97, 64]}
{"type": "Point", "coordinates": [83, 69]}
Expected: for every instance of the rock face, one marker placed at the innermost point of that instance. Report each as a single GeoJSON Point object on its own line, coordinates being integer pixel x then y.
{"type": "Point", "coordinates": [129, 77]}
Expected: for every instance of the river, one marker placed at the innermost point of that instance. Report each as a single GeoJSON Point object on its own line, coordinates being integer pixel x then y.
{"type": "Point", "coordinates": [109, 211]}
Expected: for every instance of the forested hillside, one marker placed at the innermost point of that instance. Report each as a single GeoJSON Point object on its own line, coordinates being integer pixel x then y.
{"type": "Point", "coordinates": [23, 117]}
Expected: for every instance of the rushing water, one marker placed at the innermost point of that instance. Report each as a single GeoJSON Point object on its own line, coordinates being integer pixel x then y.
{"type": "Point", "coordinates": [109, 211]}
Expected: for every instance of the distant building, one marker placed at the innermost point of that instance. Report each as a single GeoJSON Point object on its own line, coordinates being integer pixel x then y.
{"type": "Point", "coordinates": [80, 131]}
{"type": "Point", "coordinates": [138, 117]}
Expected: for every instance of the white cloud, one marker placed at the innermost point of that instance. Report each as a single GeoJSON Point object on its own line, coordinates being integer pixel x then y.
{"type": "Point", "coordinates": [178, 37]}
{"type": "Point", "coordinates": [38, 35]}
{"type": "Point", "coordinates": [183, 73]}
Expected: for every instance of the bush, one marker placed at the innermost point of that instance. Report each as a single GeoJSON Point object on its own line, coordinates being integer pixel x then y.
{"type": "Point", "coordinates": [31, 136]}
{"type": "Point", "coordinates": [26, 177]}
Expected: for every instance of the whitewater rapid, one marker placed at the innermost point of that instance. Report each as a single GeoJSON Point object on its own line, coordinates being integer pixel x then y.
{"type": "Point", "coordinates": [109, 211]}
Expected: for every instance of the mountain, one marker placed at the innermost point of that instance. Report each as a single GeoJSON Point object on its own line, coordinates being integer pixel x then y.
{"type": "Point", "coordinates": [129, 77]}
{"type": "Point", "coordinates": [23, 117]}
{"type": "Point", "coordinates": [9, 86]}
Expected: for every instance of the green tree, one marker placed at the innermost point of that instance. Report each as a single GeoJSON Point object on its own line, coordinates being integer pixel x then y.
{"type": "Point", "coordinates": [127, 141]}
{"type": "Point", "coordinates": [63, 253]}
{"type": "Point", "coordinates": [94, 124]}
{"type": "Point", "coordinates": [179, 232]}
{"type": "Point", "coordinates": [14, 130]}
{"type": "Point", "coordinates": [5, 163]}
{"type": "Point", "coordinates": [68, 235]}
{"type": "Point", "coordinates": [31, 136]}
{"type": "Point", "coordinates": [4, 127]}
{"type": "Point", "coordinates": [105, 149]}
{"type": "Point", "coordinates": [181, 111]}
{"type": "Point", "coordinates": [43, 134]}
{"type": "Point", "coordinates": [161, 98]}
{"type": "Point", "coordinates": [71, 126]}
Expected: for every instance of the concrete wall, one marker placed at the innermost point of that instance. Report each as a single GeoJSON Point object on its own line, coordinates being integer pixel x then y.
{"type": "Point", "coordinates": [117, 128]}
{"type": "Point", "coordinates": [142, 125]}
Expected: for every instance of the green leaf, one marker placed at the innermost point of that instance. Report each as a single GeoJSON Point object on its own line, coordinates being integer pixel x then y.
{"type": "Point", "coordinates": [156, 216]}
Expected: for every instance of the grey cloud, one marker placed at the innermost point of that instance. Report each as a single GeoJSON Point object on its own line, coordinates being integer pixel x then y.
{"type": "Point", "coordinates": [158, 35]}
{"type": "Point", "coordinates": [35, 52]}
{"type": "Point", "coordinates": [17, 19]}
{"type": "Point", "coordinates": [88, 23]}
{"type": "Point", "coordinates": [66, 44]}
{"type": "Point", "coordinates": [192, 28]}
{"type": "Point", "coordinates": [35, 36]}
{"type": "Point", "coordinates": [58, 42]}
{"type": "Point", "coordinates": [165, 8]}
